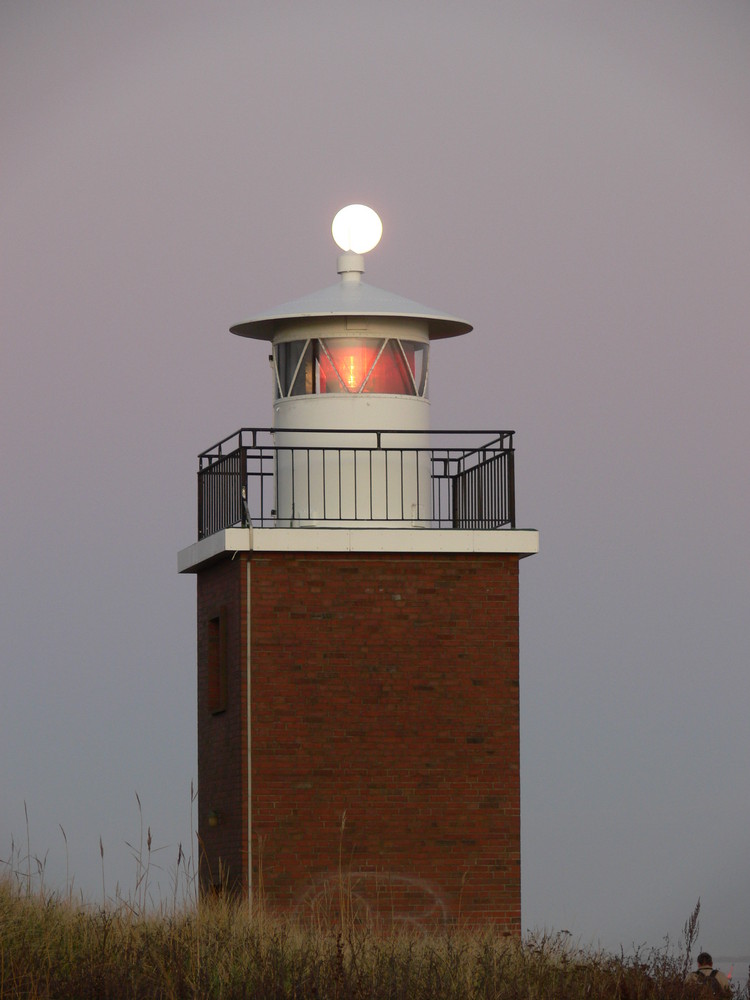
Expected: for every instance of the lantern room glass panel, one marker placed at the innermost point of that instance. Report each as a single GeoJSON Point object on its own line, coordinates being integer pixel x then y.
{"type": "Point", "coordinates": [352, 361]}
{"type": "Point", "coordinates": [288, 367]}
{"type": "Point", "coordinates": [391, 374]}
{"type": "Point", "coordinates": [416, 358]}
{"type": "Point", "coordinates": [380, 366]}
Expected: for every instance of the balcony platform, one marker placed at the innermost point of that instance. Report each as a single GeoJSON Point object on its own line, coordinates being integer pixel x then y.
{"type": "Point", "coordinates": [227, 542]}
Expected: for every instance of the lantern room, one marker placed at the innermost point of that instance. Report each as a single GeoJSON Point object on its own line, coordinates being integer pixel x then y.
{"type": "Point", "coordinates": [351, 444]}
{"type": "Point", "coordinates": [351, 358]}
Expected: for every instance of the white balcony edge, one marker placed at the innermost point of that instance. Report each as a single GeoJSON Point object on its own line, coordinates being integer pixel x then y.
{"type": "Point", "coordinates": [229, 541]}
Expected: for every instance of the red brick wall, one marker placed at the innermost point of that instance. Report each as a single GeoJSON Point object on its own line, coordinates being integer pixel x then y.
{"type": "Point", "coordinates": [384, 728]}
{"type": "Point", "coordinates": [222, 738]}
{"type": "Point", "coordinates": [385, 689]}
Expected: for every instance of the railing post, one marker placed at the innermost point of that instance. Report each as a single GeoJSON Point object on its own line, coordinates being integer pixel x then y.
{"type": "Point", "coordinates": [512, 487]}
{"type": "Point", "coordinates": [200, 504]}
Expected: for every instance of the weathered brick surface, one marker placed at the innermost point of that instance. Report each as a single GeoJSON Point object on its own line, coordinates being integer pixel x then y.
{"type": "Point", "coordinates": [222, 738]}
{"type": "Point", "coordinates": [384, 723]}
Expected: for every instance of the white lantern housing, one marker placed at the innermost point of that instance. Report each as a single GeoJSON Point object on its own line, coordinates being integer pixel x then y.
{"type": "Point", "coordinates": [351, 411]}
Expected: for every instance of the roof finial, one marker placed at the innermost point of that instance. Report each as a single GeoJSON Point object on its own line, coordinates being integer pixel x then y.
{"type": "Point", "coordinates": [356, 229]}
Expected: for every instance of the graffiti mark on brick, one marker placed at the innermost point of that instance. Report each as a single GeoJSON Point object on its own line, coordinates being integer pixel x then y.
{"type": "Point", "coordinates": [373, 898]}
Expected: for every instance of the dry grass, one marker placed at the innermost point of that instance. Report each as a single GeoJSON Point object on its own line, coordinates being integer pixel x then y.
{"type": "Point", "coordinates": [54, 947]}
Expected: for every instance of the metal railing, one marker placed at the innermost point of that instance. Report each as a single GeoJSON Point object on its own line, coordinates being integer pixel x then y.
{"type": "Point", "coordinates": [437, 479]}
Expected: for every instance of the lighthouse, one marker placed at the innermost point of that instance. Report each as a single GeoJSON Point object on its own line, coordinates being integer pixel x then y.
{"type": "Point", "coordinates": [357, 625]}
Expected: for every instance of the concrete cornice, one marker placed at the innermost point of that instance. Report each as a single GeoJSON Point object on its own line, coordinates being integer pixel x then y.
{"type": "Point", "coordinates": [226, 543]}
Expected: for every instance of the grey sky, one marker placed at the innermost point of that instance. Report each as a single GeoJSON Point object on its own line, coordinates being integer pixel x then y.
{"type": "Point", "coordinates": [573, 179]}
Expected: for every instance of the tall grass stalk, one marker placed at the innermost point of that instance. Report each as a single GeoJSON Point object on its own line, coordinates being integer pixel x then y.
{"type": "Point", "coordinates": [690, 936]}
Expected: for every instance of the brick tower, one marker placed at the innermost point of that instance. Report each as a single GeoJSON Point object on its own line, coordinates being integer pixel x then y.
{"type": "Point", "coordinates": [357, 576]}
